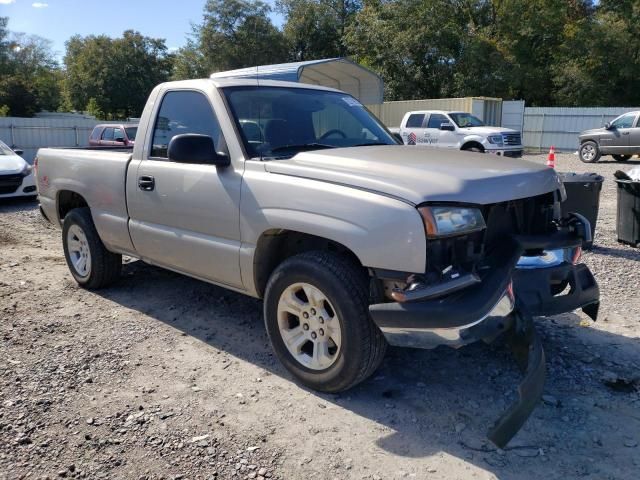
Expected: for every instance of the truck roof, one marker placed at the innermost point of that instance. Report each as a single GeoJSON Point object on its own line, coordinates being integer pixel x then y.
{"type": "Point", "coordinates": [242, 82]}
{"type": "Point", "coordinates": [435, 111]}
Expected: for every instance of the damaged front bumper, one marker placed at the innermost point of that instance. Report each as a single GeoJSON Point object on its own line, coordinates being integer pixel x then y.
{"type": "Point", "coordinates": [514, 290]}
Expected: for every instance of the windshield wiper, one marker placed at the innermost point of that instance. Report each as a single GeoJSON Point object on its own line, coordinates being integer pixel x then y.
{"type": "Point", "coordinates": [302, 146]}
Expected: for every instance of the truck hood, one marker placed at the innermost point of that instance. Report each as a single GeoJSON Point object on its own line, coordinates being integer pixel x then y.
{"type": "Point", "coordinates": [486, 130]}
{"type": "Point", "coordinates": [593, 131]}
{"type": "Point", "coordinates": [422, 174]}
{"type": "Point", "coordinates": [11, 164]}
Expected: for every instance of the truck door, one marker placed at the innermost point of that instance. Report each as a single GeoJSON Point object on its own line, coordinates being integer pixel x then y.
{"type": "Point", "coordinates": [437, 137]}
{"type": "Point", "coordinates": [413, 131]}
{"type": "Point", "coordinates": [634, 138]}
{"type": "Point", "coordinates": [616, 140]}
{"type": "Point", "coordinates": [107, 137]}
{"type": "Point", "coordinates": [186, 216]}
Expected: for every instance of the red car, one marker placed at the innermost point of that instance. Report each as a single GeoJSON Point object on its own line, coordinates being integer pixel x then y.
{"type": "Point", "coordinates": [113, 134]}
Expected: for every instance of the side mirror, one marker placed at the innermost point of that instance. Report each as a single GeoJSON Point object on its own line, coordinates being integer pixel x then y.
{"type": "Point", "coordinates": [398, 137]}
{"type": "Point", "coordinates": [194, 148]}
{"type": "Point", "coordinates": [607, 125]}
{"type": "Point", "coordinates": [447, 126]}
{"type": "Point", "coordinates": [18, 151]}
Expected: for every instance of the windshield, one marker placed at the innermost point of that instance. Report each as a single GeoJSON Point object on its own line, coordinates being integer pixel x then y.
{"type": "Point", "coordinates": [279, 122]}
{"type": "Point", "coordinates": [131, 132]}
{"type": "Point", "coordinates": [4, 150]}
{"type": "Point", "coordinates": [465, 120]}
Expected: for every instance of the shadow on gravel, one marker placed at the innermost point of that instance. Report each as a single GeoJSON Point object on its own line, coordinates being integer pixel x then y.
{"type": "Point", "coordinates": [610, 160]}
{"type": "Point", "coordinates": [441, 401]}
{"type": "Point", "coordinates": [628, 253]}
{"type": "Point", "coordinates": [17, 204]}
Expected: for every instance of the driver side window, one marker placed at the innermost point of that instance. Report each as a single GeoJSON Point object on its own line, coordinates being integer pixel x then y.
{"type": "Point", "coordinates": [436, 119]}
{"type": "Point", "coordinates": [625, 121]}
{"type": "Point", "coordinates": [181, 112]}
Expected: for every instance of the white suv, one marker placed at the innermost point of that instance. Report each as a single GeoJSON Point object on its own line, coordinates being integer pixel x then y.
{"type": "Point", "coordinates": [459, 130]}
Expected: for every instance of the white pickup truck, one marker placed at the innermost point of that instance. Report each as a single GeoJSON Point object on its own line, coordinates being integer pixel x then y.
{"type": "Point", "coordinates": [298, 195]}
{"type": "Point", "coordinates": [458, 130]}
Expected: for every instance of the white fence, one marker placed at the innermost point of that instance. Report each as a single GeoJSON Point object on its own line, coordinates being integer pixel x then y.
{"type": "Point", "coordinates": [513, 114]}
{"type": "Point", "coordinates": [30, 134]}
{"type": "Point", "coordinates": [560, 127]}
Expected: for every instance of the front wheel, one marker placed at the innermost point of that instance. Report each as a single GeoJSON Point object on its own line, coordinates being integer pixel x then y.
{"type": "Point", "coordinates": [589, 152]}
{"type": "Point", "coordinates": [317, 317]}
{"type": "Point", "coordinates": [90, 263]}
{"type": "Point", "coordinates": [621, 158]}
{"type": "Point", "coordinates": [475, 148]}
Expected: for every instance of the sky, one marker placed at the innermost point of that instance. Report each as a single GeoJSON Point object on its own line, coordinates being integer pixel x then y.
{"type": "Point", "coordinates": [57, 20]}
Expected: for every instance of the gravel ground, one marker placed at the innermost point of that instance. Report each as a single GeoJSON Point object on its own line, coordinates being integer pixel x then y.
{"type": "Point", "coordinates": [163, 376]}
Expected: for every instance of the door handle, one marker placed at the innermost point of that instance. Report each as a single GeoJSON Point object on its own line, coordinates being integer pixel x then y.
{"type": "Point", "coordinates": [146, 183]}
{"type": "Point", "coordinates": [625, 133]}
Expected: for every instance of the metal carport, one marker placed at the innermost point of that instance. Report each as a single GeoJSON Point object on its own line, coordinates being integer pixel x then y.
{"type": "Point", "coordinates": [340, 73]}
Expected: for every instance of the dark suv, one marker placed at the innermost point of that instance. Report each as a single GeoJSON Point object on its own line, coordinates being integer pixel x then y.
{"type": "Point", "coordinates": [113, 134]}
{"type": "Point", "coordinates": [619, 138]}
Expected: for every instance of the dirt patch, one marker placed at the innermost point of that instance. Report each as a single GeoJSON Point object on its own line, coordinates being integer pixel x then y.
{"type": "Point", "coordinates": [6, 239]}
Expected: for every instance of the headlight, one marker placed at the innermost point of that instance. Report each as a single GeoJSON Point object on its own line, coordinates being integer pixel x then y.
{"type": "Point", "coordinates": [443, 221]}
{"type": "Point", "coordinates": [495, 139]}
{"type": "Point", "coordinates": [26, 170]}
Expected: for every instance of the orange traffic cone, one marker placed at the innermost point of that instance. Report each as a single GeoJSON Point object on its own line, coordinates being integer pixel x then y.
{"type": "Point", "coordinates": [551, 159]}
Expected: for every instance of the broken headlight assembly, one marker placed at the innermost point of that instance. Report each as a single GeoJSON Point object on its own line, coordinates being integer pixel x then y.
{"type": "Point", "coordinates": [449, 220]}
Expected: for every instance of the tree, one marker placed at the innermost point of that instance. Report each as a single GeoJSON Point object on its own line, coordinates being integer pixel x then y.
{"type": "Point", "coordinates": [413, 44]}
{"type": "Point", "coordinates": [118, 74]}
{"type": "Point", "coordinates": [316, 28]}
{"type": "Point", "coordinates": [233, 34]}
{"type": "Point", "coordinates": [599, 61]}
{"type": "Point", "coordinates": [29, 74]}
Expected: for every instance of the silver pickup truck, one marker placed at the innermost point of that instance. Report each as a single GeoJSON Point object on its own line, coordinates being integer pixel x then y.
{"type": "Point", "coordinates": [298, 195]}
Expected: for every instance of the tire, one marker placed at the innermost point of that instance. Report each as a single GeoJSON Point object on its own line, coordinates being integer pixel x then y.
{"type": "Point", "coordinates": [589, 152]}
{"type": "Point", "coordinates": [81, 240]}
{"type": "Point", "coordinates": [474, 149]}
{"type": "Point", "coordinates": [342, 287]}
{"type": "Point", "coordinates": [621, 158]}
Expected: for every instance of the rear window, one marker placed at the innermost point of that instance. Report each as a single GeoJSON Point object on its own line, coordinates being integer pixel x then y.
{"type": "Point", "coordinates": [415, 120]}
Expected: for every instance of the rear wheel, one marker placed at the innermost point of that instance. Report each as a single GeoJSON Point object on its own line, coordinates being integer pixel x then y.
{"type": "Point", "coordinates": [317, 317]}
{"type": "Point", "coordinates": [589, 152]}
{"type": "Point", "coordinates": [90, 263]}
{"type": "Point", "coordinates": [621, 158]}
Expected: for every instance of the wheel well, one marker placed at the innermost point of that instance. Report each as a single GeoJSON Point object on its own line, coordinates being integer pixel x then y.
{"type": "Point", "coordinates": [67, 201]}
{"type": "Point", "coordinates": [275, 246]}
{"type": "Point", "coordinates": [472, 144]}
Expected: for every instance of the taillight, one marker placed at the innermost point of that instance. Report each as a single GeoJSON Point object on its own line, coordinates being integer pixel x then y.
{"type": "Point", "coordinates": [35, 164]}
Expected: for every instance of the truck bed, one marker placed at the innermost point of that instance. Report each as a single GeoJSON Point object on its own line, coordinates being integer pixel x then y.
{"type": "Point", "coordinates": [98, 176]}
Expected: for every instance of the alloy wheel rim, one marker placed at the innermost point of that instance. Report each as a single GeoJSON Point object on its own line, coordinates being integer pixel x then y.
{"type": "Point", "coordinates": [309, 326]}
{"type": "Point", "coordinates": [79, 252]}
{"type": "Point", "coordinates": [588, 152]}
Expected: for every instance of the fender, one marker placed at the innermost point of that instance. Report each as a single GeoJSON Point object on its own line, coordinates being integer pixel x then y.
{"type": "Point", "coordinates": [473, 138]}
{"type": "Point", "coordinates": [365, 222]}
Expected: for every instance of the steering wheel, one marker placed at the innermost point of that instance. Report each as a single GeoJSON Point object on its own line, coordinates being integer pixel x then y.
{"type": "Point", "coordinates": [331, 132]}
